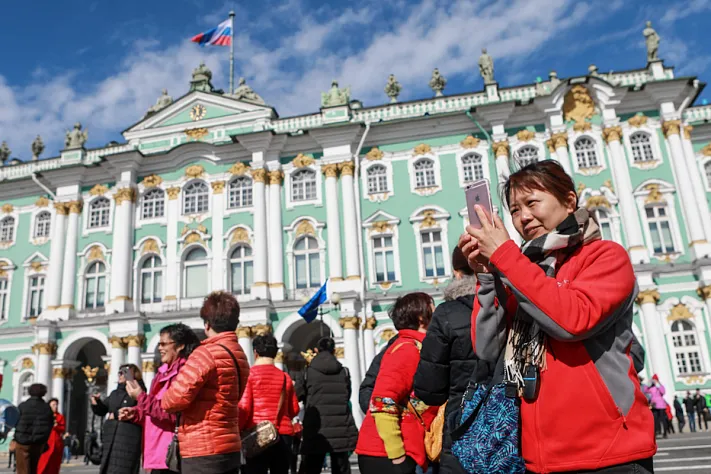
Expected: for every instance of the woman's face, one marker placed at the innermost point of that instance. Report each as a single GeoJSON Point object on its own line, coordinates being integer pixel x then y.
{"type": "Point", "coordinates": [168, 349]}
{"type": "Point", "coordinates": [122, 377]}
{"type": "Point", "coordinates": [54, 406]}
{"type": "Point", "coordinates": [535, 212]}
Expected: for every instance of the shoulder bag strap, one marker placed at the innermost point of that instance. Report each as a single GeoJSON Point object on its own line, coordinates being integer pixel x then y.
{"type": "Point", "coordinates": [234, 359]}
{"type": "Point", "coordinates": [282, 396]}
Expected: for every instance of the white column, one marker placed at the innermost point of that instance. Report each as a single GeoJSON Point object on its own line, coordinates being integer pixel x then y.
{"type": "Point", "coordinates": [333, 224]}
{"type": "Point", "coordinates": [118, 358]}
{"type": "Point", "coordinates": [628, 208]}
{"type": "Point", "coordinates": [560, 142]}
{"type": "Point", "coordinates": [44, 351]}
{"type": "Point", "coordinates": [260, 285]}
{"type": "Point", "coordinates": [135, 347]}
{"type": "Point", "coordinates": [56, 256]}
{"type": "Point", "coordinates": [656, 345]}
{"type": "Point", "coordinates": [58, 374]}
{"type": "Point", "coordinates": [276, 236]}
{"type": "Point", "coordinates": [69, 276]}
{"type": "Point", "coordinates": [369, 341]}
{"type": "Point", "coordinates": [350, 226]}
{"type": "Point", "coordinates": [350, 325]}
{"type": "Point", "coordinates": [218, 245]}
{"type": "Point", "coordinates": [696, 181]}
{"type": "Point", "coordinates": [244, 337]}
{"type": "Point", "coordinates": [171, 251]}
{"type": "Point", "coordinates": [148, 370]}
{"type": "Point", "coordinates": [501, 150]}
{"type": "Point", "coordinates": [122, 251]}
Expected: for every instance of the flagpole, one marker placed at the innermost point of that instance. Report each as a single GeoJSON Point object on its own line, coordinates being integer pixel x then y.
{"type": "Point", "coordinates": [232, 52]}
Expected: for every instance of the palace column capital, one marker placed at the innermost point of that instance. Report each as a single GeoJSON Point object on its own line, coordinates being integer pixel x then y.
{"type": "Point", "coordinates": [671, 127]}
{"type": "Point", "coordinates": [350, 322]}
{"type": "Point", "coordinates": [261, 329]}
{"type": "Point", "coordinates": [346, 168]}
{"type": "Point", "coordinates": [134, 340]}
{"type": "Point", "coordinates": [501, 148]}
{"type": "Point", "coordinates": [648, 296]}
{"type": "Point", "coordinates": [330, 170]}
{"type": "Point", "coordinates": [371, 322]}
{"type": "Point", "coordinates": [276, 177]}
{"type": "Point", "coordinates": [704, 292]}
{"type": "Point", "coordinates": [117, 342]}
{"type": "Point", "coordinates": [611, 134]}
{"type": "Point", "coordinates": [244, 332]}
{"type": "Point", "coordinates": [45, 348]}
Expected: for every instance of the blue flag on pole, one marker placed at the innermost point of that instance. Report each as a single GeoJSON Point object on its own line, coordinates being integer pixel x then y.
{"type": "Point", "coordinates": [309, 311]}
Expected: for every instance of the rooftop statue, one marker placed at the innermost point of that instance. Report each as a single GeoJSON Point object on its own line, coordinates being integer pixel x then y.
{"type": "Point", "coordinates": [652, 39]}
{"type": "Point", "coordinates": [392, 88]}
{"type": "Point", "coordinates": [437, 83]}
{"type": "Point", "coordinates": [244, 92]}
{"type": "Point", "coordinates": [76, 138]}
{"type": "Point", "coordinates": [37, 147]}
{"type": "Point", "coordinates": [486, 67]}
{"type": "Point", "coordinates": [163, 101]}
{"type": "Point", "coordinates": [201, 79]}
{"type": "Point", "coordinates": [4, 153]}
{"type": "Point", "coordinates": [335, 96]}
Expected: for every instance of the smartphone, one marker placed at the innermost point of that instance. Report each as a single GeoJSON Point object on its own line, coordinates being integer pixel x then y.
{"type": "Point", "coordinates": [128, 374]}
{"type": "Point", "coordinates": [479, 193]}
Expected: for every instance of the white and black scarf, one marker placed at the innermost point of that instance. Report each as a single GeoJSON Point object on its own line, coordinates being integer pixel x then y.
{"type": "Point", "coordinates": [526, 344]}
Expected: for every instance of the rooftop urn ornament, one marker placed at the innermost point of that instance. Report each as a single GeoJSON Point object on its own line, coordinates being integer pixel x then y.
{"type": "Point", "coordinates": [37, 147]}
{"type": "Point", "coordinates": [4, 153]}
{"type": "Point", "coordinates": [592, 71]}
{"type": "Point", "coordinates": [437, 83]}
{"type": "Point", "coordinates": [651, 38]}
{"type": "Point", "coordinates": [163, 101]}
{"type": "Point", "coordinates": [392, 88]}
{"type": "Point", "coordinates": [76, 138]}
{"type": "Point", "coordinates": [244, 92]}
{"type": "Point", "coordinates": [335, 96]}
{"type": "Point", "coordinates": [486, 67]}
{"type": "Point", "coordinates": [201, 79]}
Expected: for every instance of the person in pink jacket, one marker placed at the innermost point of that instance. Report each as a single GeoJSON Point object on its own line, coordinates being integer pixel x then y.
{"type": "Point", "coordinates": [655, 393]}
{"type": "Point", "coordinates": [177, 341]}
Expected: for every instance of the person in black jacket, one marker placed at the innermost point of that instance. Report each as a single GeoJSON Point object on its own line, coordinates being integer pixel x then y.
{"type": "Point", "coordinates": [365, 392]}
{"type": "Point", "coordinates": [701, 409]}
{"type": "Point", "coordinates": [32, 430]}
{"type": "Point", "coordinates": [679, 411]}
{"type": "Point", "coordinates": [121, 441]}
{"type": "Point", "coordinates": [328, 421]}
{"type": "Point", "coordinates": [447, 360]}
{"type": "Point", "coordinates": [690, 405]}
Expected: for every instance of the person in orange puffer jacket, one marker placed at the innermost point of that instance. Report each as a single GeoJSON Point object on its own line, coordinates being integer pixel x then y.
{"type": "Point", "coordinates": [269, 396]}
{"type": "Point", "coordinates": [207, 391]}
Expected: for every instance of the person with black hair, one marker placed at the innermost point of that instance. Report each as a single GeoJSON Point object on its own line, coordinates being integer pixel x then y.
{"type": "Point", "coordinates": [269, 396]}
{"type": "Point", "coordinates": [33, 429]}
{"type": "Point", "coordinates": [51, 459]}
{"type": "Point", "coordinates": [329, 427]}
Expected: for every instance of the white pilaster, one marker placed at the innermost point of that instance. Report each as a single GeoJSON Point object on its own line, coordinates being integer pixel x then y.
{"type": "Point", "coordinates": [369, 342]}
{"type": "Point", "coordinates": [69, 275]}
{"type": "Point", "coordinates": [218, 243]}
{"type": "Point", "coordinates": [260, 287]}
{"type": "Point", "coordinates": [44, 366]}
{"type": "Point", "coordinates": [244, 337]}
{"type": "Point", "coordinates": [56, 257]}
{"type": "Point", "coordinates": [148, 369]}
{"type": "Point", "coordinates": [696, 181]}
{"type": "Point", "coordinates": [350, 226]}
{"type": "Point", "coordinates": [560, 143]}
{"type": "Point", "coordinates": [658, 360]}
{"type": "Point", "coordinates": [335, 261]}
{"type": "Point", "coordinates": [135, 347]}
{"type": "Point", "coordinates": [122, 250]}
{"type": "Point", "coordinates": [276, 236]}
{"type": "Point", "coordinates": [350, 325]}
{"type": "Point", "coordinates": [58, 374]}
{"type": "Point", "coordinates": [118, 358]}
{"type": "Point", "coordinates": [171, 251]}
{"type": "Point", "coordinates": [501, 151]}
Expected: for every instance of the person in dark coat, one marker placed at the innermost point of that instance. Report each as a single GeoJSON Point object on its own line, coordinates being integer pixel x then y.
{"type": "Point", "coordinates": [447, 360]}
{"type": "Point", "coordinates": [365, 392]}
{"type": "Point", "coordinates": [32, 430]}
{"type": "Point", "coordinates": [679, 411]}
{"type": "Point", "coordinates": [121, 441]}
{"type": "Point", "coordinates": [690, 405]}
{"type": "Point", "coordinates": [328, 421]}
{"type": "Point", "coordinates": [701, 409]}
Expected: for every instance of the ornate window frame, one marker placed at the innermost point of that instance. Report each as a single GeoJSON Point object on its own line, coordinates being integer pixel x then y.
{"type": "Point", "coordinates": [378, 225]}
{"type": "Point", "coordinates": [93, 252]}
{"type": "Point", "coordinates": [304, 225]}
{"type": "Point", "coordinates": [34, 266]}
{"type": "Point", "coordinates": [651, 132]}
{"type": "Point", "coordinates": [36, 223]}
{"type": "Point", "coordinates": [482, 150]}
{"type": "Point", "coordinates": [656, 191]}
{"type": "Point", "coordinates": [15, 216]}
{"type": "Point", "coordinates": [235, 210]}
{"type": "Point", "coordinates": [289, 171]}
{"type": "Point", "coordinates": [367, 164]}
{"type": "Point", "coordinates": [702, 163]}
{"type": "Point", "coordinates": [235, 236]}
{"type": "Point", "coordinates": [19, 381]}
{"type": "Point", "coordinates": [143, 192]}
{"type": "Point", "coordinates": [526, 138]}
{"type": "Point", "coordinates": [183, 197]}
{"type": "Point", "coordinates": [605, 199]}
{"type": "Point", "coordinates": [696, 313]}
{"type": "Point", "coordinates": [432, 217]}
{"type": "Point", "coordinates": [596, 137]}
{"type": "Point", "coordinates": [86, 212]}
{"type": "Point", "coordinates": [436, 167]}
{"type": "Point", "coordinates": [197, 300]}
{"type": "Point", "coordinates": [7, 270]}
{"type": "Point", "coordinates": [148, 246]}
{"type": "Point", "coordinates": [36, 211]}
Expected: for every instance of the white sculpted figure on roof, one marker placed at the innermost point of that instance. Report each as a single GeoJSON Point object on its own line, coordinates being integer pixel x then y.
{"type": "Point", "coordinates": [392, 88]}
{"type": "Point", "coordinates": [652, 39]}
{"type": "Point", "coordinates": [437, 83]}
{"type": "Point", "coordinates": [486, 67]}
{"type": "Point", "coordinates": [335, 96]}
{"type": "Point", "coordinates": [76, 137]}
{"type": "Point", "coordinates": [244, 92]}
{"type": "Point", "coordinates": [163, 101]}
{"type": "Point", "coordinates": [4, 153]}
{"type": "Point", "coordinates": [37, 147]}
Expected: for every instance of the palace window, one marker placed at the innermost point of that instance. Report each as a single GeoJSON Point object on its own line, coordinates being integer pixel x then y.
{"type": "Point", "coordinates": [241, 274]}
{"type": "Point", "coordinates": [99, 210]}
{"type": "Point", "coordinates": [307, 263]}
{"type": "Point", "coordinates": [153, 204]}
{"type": "Point", "coordinates": [196, 198]}
{"type": "Point", "coordinates": [659, 225]}
{"type": "Point", "coordinates": [4, 298]}
{"type": "Point", "coordinates": [42, 224]}
{"type": "Point", "coordinates": [195, 277]}
{"type": "Point", "coordinates": [151, 280]}
{"type": "Point", "coordinates": [384, 258]}
{"type": "Point", "coordinates": [36, 296]}
{"type": "Point", "coordinates": [526, 155]}
{"type": "Point", "coordinates": [686, 348]}
{"type": "Point", "coordinates": [472, 167]}
{"type": "Point", "coordinates": [425, 173]}
{"type": "Point", "coordinates": [25, 383]}
{"type": "Point", "coordinates": [7, 229]}
{"type": "Point", "coordinates": [641, 147]}
{"type": "Point", "coordinates": [585, 153]}
{"type": "Point", "coordinates": [240, 193]}
{"type": "Point", "coordinates": [95, 286]}
{"type": "Point", "coordinates": [303, 186]}
{"type": "Point", "coordinates": [603, 219]}
{"type": "Point", "coordinates": [432, 253]}
{"type": "Point", "coordinates": [377, 179]}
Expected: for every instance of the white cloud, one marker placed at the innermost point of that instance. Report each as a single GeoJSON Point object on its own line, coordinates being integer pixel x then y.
{"type": "Point", "coordinates": [681, 10]}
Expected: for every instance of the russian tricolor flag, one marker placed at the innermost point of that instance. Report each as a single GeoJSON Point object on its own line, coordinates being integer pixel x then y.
{"type": "Point", "coordinates": [218, 36]}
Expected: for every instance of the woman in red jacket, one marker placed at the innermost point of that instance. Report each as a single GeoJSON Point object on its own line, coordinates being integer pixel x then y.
{"type": "Point", "coordinates": [51, 460]}
{"type": "Point", "coordinates": [561, 308]}
{"type": "Point", "coordinates": [269, 396]}
{"type": "Point", "coordinates": [392, 438]}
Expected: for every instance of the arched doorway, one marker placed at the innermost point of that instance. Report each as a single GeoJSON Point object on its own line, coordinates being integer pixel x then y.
{"type": "Point", "coordinates": [78, 408]}
{"type": "Point", "coordinates": [300, 339]}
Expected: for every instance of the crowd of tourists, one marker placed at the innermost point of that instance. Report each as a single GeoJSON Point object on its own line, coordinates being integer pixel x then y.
{"type": "Point", "coordinates": [528, 365]}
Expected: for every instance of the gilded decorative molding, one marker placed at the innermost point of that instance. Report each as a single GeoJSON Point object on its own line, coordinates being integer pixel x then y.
{"type": "Point", "coordinates": [170, 298]}
{"type": "Point", "coordinates": [28, 363]}
{"type": "Point", "coordinates": [117, 342]}
{"type": "Point", "coordinates": [687, 131]}
{"type": "Point", "coordinates": [148, 367]}
{"type": "Point", "coordinates": [353, 277]}
{"type": "Point", "coordinates": [608, 185]}
{"type": "Point", "coordinates": [597, 201]}
{"type": "Point", "coordinates": [194, 171]}
{"type": "Point", "coordinates": [655, 195]}
{"type": "Point", "coordinates": [671, 127]}
{"type": "Point", "coordinates": [134, 340]}
{"type": "Point", "coordinates": [350, 322]}
{"type": "Point", "coordinates": [243, 332]}
{"type": "Point", "coordinates": [173, 193]}
{"type": "Point", "coordinates": [679, 311]}
{"type": "Point", "coordinates": [637, 121]}
{"type": "Point", "coordinates": [304, 228]}
{"type": "Point", "coordinates": [551, 145]}
{"type": "Point", "coordinates": [95, 253]}
{"type": "Point", "coordinates": [525, 135]}
{"type": "Point", "coordinates": [192, 238]}
{"type": "Point", "coordinates": [196, 133]}
{"type": "Point", "coordinates": [279, 359]}
{"type": "Point", "coordinates": [611, 134]}
{"type": "Point", "coordinates": [346, 168]}
{"type": "Point", "coordinates": [370, 323]}
{"type": "Point", "coordinates": [150, 246]}
{"type": "Point", "coordinates": [387, 334]}
{"type": "Point", "coordinates": [218, 187]}
{"type": "Point", "coordinates": [704, 292]}
{"type": "Point", "coordinates": [7, 208]}
{"type": "Point", "coordinates": [429, 220]}
{"type": "Point", "coordinates": [152, 181]}
{"type": "Point", "coordinates": [330, 170]}
{"type": "Point", "coordinates": [124, 194]}
{"type": "Point", "coordinates": [422, 149]}
{"type": "Point", "coordinates": [470, 142]}
{"type": "Point", "coordinates": [276, 177]}
{"type": "Point", "coordinates": [238, 169]}
{"type": "Point", "coordinates": [45, 348]}
{"type": "Point", "coordinates": [98, 190]}
{"type": "Point", "coordinates": [259, 175]}
{"type": "Point", "coordinates": [3, 267]}
{"type": "Point", "coordinates": [381, 227]}
{"type": "Point", "coordinates": [42, 201]}
{"type": "Point", "coordinates": [107, 367]}
{"type": "Point", "coordinates": [582, 126]}
{"type": "Point", "coordinates": [240, 235]}
{"type": "Point", "coordinates": [302, 161]}
{"type": "Point", "coordinates": [74, 207]}
{"type": "Point", "coordinates": [62, 373]}
{"type": "Point", "coordinates": [706, 151]}
{"type": "Point", "coordinates": [308, 355]}
{"type": "Point", "coordinates": [648, 296]}
{"type": "Point", "coordinates": [560, 139]}
{"type": "Point", "coordinates": [374, 154]}
{"type": "Point", "coordinates": [90, 372]}
{"type": "Point", "coordinates": [340, 353]}
{"type": "Point", "coordinates": [37, 265]}
{"type": "Point", "coordinates": [578, 105]}
{"type": "Point", "coordinates": [501, 148]}
{"type": "Point", "coordinates": [261, 329]}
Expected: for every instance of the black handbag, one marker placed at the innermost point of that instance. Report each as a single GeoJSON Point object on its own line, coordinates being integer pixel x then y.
{"type": "Point", "coordinates": [172, 457]}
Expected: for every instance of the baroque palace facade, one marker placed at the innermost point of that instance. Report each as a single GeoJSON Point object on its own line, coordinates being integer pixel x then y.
{"type": "Point", "coordinates": [101, 248]}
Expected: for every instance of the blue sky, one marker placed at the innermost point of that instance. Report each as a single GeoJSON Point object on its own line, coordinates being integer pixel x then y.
{"type": "Point", "coordinates": [104, 63]}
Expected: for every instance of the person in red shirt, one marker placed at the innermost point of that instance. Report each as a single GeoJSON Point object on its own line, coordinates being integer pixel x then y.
{"type": "Point", "coordinates": [561, 307]}
{"type": "Point", "coordinates": [392, 437]}
{"type": "Point", "coordinates": [51, 460]}
{"type": "Point", "coordinates": [269, 396]}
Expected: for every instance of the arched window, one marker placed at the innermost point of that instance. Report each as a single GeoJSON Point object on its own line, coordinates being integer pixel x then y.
{"type": "Point", "coordinates": [660, 229]}
{"type": "Point", "coordinates": [472, 167]}
{"type": "Point", "coordinates": [151, 280]}
{"type": "Point", "coordinates": [196, 198]}
{"type": "Point", "coordinates": [99, 213]}
{"type": "Point", "coordinates": [95, 286]}
{"type": "Point", "coordinates": [25, 383]}
{"type": "Point", "coordinates": [35, 298]}
{"type": "Point", "coordinates": [641, 147]}
{"type": "Point", "coordinates": [7, 229]}
{"type": "Point", "coordinates": [707, 169]}
{"type": "Point", "coordinates": [195, 278]}
{"type": "Point", "coordinates": [526, 155]}
{"type": "Point", "coordinates": [585, 153]}
{"type": "Point", "coordinates": [686, 348]}
{"type": "Point", "coordinates": [42, 224]}
{"type": "Point", "coordinates": [425, 173]}
{"type": "Point", "coordinates": [241, 266]}
{"type": "Point", "coordinates": [240, 192]}
{"type": "Point", "coordinates": [603, 219]}
{"type": "Point", "coordinates": [4, 298]}
{"type": "Point", "coordinates": [303, 186]}
{"type": "Point", "coordinates": [153, 204]}
{"type": "Point", "coordinates": [307, 263]}
{"type": "Point", "coordinates": [377, 179]}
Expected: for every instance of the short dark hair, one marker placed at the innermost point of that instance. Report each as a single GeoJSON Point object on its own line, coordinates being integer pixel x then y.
{"type": "Point", "coordinates": [547, 175]}
{"type": "Point", "coordinates": [221, 311]}
{"type": "Point", "coordinates": [459, 262]}
{"type": "Point", "coordinates": [37, 390]}
{"type": "Point", "coordinates": [182, 335]}
{"type": "Point", "coordinates": [53, 400]}
{"type": "Point", "coordinates": [326, 344]}
{"type": "Point", "coordinates": [265, 345]}
{"type": "Point", "coordinates": [411, 310]}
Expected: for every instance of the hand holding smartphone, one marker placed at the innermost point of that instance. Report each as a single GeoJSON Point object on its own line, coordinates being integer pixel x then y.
{"type": "Point", "coordinates": [478, 193]}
